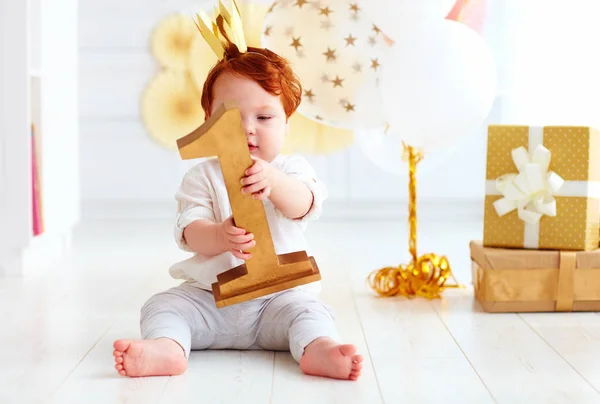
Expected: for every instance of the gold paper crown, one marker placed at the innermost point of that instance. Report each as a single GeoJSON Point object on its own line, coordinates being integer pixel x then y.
{"type": "Point", "coordinates": [226, 29]}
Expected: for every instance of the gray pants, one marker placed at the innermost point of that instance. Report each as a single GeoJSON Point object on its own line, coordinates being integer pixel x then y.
{"type": "Point", "coordinates": [288, 320]}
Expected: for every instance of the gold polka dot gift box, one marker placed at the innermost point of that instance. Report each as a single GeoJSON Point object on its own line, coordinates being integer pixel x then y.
{"type": "Point", "coordinates": [542, 188]}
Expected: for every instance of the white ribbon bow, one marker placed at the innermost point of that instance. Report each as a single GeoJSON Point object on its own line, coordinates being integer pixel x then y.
{"type": "Point", "coordinates": [531, 190]}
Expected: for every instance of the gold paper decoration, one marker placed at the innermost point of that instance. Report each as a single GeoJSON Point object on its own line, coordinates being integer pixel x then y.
{"type": "Point", "coordinates": [337, 52]}
{"type": "Point", "coordinates": [172, 39]}
{"type": "Point", "coordinates": [171, 107]}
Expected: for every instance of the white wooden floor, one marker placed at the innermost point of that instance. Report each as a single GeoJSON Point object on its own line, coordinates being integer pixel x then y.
{"type": "Point", "coordinates": [57, 330]}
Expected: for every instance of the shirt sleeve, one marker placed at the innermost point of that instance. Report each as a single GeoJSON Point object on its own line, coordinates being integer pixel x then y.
{"type": "Point", "coordinates": [299, 168]}
{"type": "Point", "coordinates": [194, 202]}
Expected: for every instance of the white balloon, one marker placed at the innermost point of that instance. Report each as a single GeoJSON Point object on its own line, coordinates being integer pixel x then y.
{"type": "Point", "coordinates": [438, 84]}
{"type": "Point", "coordinates": [385, 150]}
{"type": "Point", "coordinates": [394, 17]}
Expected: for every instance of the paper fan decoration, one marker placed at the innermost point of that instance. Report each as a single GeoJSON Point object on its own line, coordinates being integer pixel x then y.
{"type": "Point", "coordinates": [172, 39]}
{"type": "Point", "coordinates": [305, 135]}
{"type": "Point", "coordinates": [171, 107]}
{"type": "Point", "coordinates": [202, 59]}
{"type": "Point", "coordinates": [308, 136]}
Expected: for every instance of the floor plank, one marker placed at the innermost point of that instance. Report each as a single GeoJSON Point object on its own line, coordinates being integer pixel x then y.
{"type": "Point", "coordinates": [411, 348]}
{"type": "Point", "coordinates": [223, 377]}
{"type": "Point", "coordinates": [515, 363]}
{"type": "Point", "coordinates": [95, 379]}
{"type": "Point", "coordinates": [575, 337]}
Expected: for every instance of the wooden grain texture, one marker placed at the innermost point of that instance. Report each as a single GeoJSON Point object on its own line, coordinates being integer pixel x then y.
{"type": "Point", "coordinates": [223, 135]}
{"type": "Point", "coordinates": [57, 331]}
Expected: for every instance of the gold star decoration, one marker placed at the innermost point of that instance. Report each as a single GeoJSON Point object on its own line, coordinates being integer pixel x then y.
{"type": "Point", "coordinates": [318, 117]}
{"type": "Point", "coordinates": [350, 40]}
{"type": "Point", "coordinates": [324, 78]}
{"type": "Point", "coordinates": [376, 29]}
{"type": "Point", "coordinates": [272, 7]}
{"type": "Point", "coordinates": [296, 43]}
{"type": "Point", "coordinates": [337, 82]}
{"type": "Point", "coordinates": [375, 64]}
{"type": "Point", "coordinates": [309, 94]}
{"type": "Point", "coordinates": [268, 30]}
{"type": "Point", "coordinates": [325, 11]}
{"type": "Point", "coordinates": [349, 107]}
{"type": "Point", "coordinates": [330, 54]}
{"type": "Point", "coordinates": [357, 67]}
{"type": "Point", "coordinates": [300, 3]}
{"type": "Point", "coordinates": [354, 8]}
{"type": "Point", "coordinates": [387, 128]}
{"type": "Point", "coordinates": [372, 41]}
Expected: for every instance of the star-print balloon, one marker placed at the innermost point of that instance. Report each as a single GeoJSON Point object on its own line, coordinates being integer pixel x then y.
{"type": "Point", "coordinates": [337, 52]}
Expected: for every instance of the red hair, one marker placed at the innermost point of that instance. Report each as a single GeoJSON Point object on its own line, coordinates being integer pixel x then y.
{"type": "Point", "coordinates": [271, 71]}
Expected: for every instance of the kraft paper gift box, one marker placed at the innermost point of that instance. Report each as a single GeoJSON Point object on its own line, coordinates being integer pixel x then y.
{"type": "Point", "coordinates": [512, 280]}
{"type": "Point", "coordinates": [542, 188]}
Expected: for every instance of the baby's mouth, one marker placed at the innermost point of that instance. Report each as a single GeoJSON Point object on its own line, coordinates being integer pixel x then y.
{"type": "Point", "coordinates": [252, 147]}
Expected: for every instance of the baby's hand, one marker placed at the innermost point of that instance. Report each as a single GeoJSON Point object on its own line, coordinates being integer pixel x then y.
{"type": "Point", "coordinates": [258, 180]}
{"type": "Point", "coordinates": [236, 240]}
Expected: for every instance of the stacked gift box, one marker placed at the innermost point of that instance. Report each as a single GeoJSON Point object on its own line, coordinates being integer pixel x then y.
{"type": "Point", "coordinates": [540, 248]}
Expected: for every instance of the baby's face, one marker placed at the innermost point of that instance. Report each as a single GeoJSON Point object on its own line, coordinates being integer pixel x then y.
{"type": "Point", "coordinates": [263, 117]}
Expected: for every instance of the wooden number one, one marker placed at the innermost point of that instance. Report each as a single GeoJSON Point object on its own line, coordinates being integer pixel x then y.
{"type": "Point", "coordinates": [223, 135]}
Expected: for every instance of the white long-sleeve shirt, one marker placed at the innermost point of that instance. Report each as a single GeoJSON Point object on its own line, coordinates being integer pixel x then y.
{"type": "Point", "coordinates": [203, 195]}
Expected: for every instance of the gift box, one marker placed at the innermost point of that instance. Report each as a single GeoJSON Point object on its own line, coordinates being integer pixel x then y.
{"type": "Point", "coordinates": [512, 280]}
{"type": "Point", "coordinates": [542, 188]}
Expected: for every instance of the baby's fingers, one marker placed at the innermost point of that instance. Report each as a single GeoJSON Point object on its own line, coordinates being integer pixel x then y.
{"type": "Point", "coordinates": [233, 230]}
{"type": "Point", "coordinates": [244, 246]}
{"type": "Point", "coordinates": [241, 255]}
{"type": "Point", "coordinates": [240, 239]}
{"type": "Point", "coordinates": [255, 168]}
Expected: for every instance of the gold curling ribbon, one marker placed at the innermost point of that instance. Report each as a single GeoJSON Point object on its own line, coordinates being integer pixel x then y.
{"type": "Point", "coordinates": [424, 276]}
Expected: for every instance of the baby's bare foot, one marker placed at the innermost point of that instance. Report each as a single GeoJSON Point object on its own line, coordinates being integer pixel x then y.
{"type": "Point", "coordinates": [159, 357]}
{"type": "Point", "coordinates": [325, 357]}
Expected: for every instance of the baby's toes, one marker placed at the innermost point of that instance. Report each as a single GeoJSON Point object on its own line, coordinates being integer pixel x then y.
{"type": "Point", "coordinates": [117, 353]}
{"type": "Point", "coordinates": [119, 366]}
{"type": "Point", "coordinates": [357, 360]}
{"type": "Point", "coordinates": [354, 375]}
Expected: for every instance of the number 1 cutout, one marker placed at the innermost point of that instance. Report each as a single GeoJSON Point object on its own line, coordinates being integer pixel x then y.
{"type": "Point", "coordinates": [223, 136]}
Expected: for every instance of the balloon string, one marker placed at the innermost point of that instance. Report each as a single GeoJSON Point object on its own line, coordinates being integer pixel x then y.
{"type": "Point", "coordinates": [424, 276]}
{"type": "Point", "coordinates": [414, 157]}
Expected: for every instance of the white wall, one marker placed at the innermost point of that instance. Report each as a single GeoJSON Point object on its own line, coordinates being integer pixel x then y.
{"type": "Point", "coordinates": [553, 64]}
{"type": "Point", "coordinates": [121, 164]}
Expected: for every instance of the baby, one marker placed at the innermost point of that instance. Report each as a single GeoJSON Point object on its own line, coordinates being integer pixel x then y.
{"type": "Point", "coordinates": [185, 317]}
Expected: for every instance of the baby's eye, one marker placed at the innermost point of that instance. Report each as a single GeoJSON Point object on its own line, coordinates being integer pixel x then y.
{"type": "Point", "coordinates": [264, 118]}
